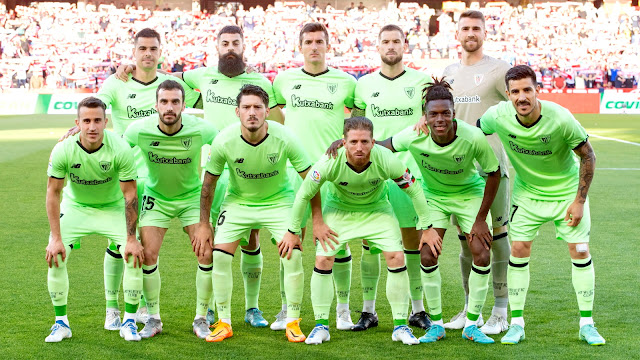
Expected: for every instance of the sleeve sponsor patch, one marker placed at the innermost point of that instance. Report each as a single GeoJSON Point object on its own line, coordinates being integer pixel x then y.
{"type": "Point", "coordinates": [405, 180]}
{"type": "Point", "coordinates": [315, 176]}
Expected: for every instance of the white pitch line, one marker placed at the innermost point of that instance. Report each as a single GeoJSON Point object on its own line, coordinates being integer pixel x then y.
{"type": "Point", "coordinates": [614, 139]}
{"type": "Point", "coordinates": [619, 169]}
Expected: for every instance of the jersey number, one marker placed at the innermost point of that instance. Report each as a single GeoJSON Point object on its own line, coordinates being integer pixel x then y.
{"type": "Point", "coordinates": [515, 208]}
{"type": "Point", "coordinates": [148, 202]}
{"type": "Point", "coordinates": [221, 218]}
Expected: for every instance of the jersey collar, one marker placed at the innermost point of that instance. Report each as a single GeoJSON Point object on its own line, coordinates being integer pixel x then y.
{"type": "Point", "coordinates": [529, 126]}
{"type": "Point", "coordinates": [314, 75]}
{"type": "Point", "coordinates": [356, 171]}
{"type": "Point", "coordinates": [87, 151]}
{"type": "Point", "coordinates": [259, 142]}
{"type": "Point", "coordinates": [393, 78]}
{"type": "Point", "coordinates": [181, 126]}
{"type": "Point", "coordinates": [145, 83]}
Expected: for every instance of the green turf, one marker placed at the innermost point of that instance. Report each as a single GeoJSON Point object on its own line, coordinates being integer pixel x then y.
{"type": "Point", "coordinates": [551, 312]}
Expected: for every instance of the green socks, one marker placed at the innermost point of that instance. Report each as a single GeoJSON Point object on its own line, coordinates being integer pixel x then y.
{"type": "Point", "coordinates": [251, 267]}
{"type": "Point", "coordinates": [132, 285]}
{"type": "Point", "coordinates": [321, 294]}
{"type": "Point", "coordinates": [466, 259]}
{"type": "Point", "coordinates": [584, 279]}
{"type": "Point", "coordinates": [518, 282]}
{"type": "Point", "coordinates": [412, 259]}
{"type": "Point", "coordinates": [58, 284]}
{"type": "Point", "coordinates": [478, 288]}
{"type": "Point", "coordinates": [204, 288]}
{"type": "Point", "coordinates": [398, 294]}
{"type": "Point", "coordinates": [113, 270]}
{"type": "Point", "coordinates": [283, 295]}
{"type": "Point", "coordinates": [222, 282]}
{"type": "Point", "coordinates": [342, 275]}
{"type": "Point", "coordinates": [370, 273]}
{"type": "Point", "coordinates": [500, 252]}
{"type": "Point", "coordinates": [293, 283]}
{"type": "Point", "coordinates": [431, 284]}
{"type": "Point", "coordinates": [151, 287]}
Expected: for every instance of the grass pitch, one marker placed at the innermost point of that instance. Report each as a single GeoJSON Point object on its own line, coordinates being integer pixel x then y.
{"type": "Point", "coordinates": [551, 312]}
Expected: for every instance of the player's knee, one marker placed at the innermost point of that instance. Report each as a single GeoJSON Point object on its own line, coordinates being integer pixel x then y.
{"type": "Point", "coordinates": [150, 257]}
{"type": "Point", "coordinates": [482, 258]}
{"type": "Point", "coordinates": [394, 259]}
{"type": "Point", "coordinates": [579, 250]}
{"type": "Point", "coordinates": [521, 249]}
{"type": "Point", "coordinates": [324, 262]}
{"type": "Point", "coordinates": [206, 258]}
{"type": "Point", "coordinates": [426, 258]}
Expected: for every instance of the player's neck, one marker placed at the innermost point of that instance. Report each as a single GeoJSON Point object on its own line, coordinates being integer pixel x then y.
{"type": "Point", "coordinates": [358, 166]}
{"type": "Point", "coordinates": [392, 71]}
{"type": "Point", "coordinates": [316, 68]}
{"type": "Point", "coordinates": [90, 147]}
{"type": "Point", "coordinates": [533, 117]}
{"type": "Point", "coordinates": [255, 137]}
{"type": "Point", "coordinates": [144, 76]}
{"type": "Point", "coordinates": [471, 58]}
{"type": "Point", "coordinates": [170, 129]}
{"type": "Point", "coordinates": [447, 138]}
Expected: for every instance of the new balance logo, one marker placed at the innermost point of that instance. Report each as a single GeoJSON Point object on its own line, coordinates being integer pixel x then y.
{"type": "Point", "coordinates": [75, 166]}
{"type": "Point", "coordinates": [239, 161]}
{"type": "Point", "coordinates": [512, 136]}
{"type": "Point", "coordinates": [155, 143]}
{"type": "Point", "coordinates": [375, 94]}
{"type": "Point", "coordinates": [344, 183]}
{"type": "Point", "coordinates": [296, 87]}
{"type": "Point", "coordinates": [131, 96]}
{"type": "Point", "coordinates": [213, 82]}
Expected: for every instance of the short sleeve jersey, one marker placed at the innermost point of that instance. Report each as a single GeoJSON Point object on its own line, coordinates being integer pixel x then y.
{"type": "Point", "coordinates": [172, 160]}
{"type": "Point", "coordinates": [476, 88]}
{"type": "Point", "coordinates": [546, 167]}
{"type": "Point", "coordinates": [219, 92]}
{"type": "Point", "coordinates": [358, 191]}
{"type": "Point", "coordinates": [449, 170]}
{"type": "Point", "coordinates": [257, 173]}
{"type": "Point", "coordinates": [315, 105]}
{"type": "Point", "coordinates": [93, 177]}
{"type": "Point", "coordinates": [133, 100]}
{"type": "Point", "coordinates": [392, 104]}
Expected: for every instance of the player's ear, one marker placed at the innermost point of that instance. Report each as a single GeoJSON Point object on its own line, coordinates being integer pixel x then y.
{"type": "Point", "coordinates": [267, 110]}
{"type": "Point", "coordinates": [77, 122]}
{"type": "Point", "coordinates": [238, 112]}
{"type": "Point", "coordinates": [406, 46]}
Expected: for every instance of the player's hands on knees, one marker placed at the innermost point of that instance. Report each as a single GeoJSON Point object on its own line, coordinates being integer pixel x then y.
{"type": "Point", "coordinates": [54, 248]}
{"type": "Point", "coordinates": [574, 213]}
{"type": "Point", "coordinates": [202, 239]}
{"type": "Point", "coordinates": [74, 130]}
{"type": "Point", "coordinates": [288, 243]}
{"type": "Point", "coordinates": [324, 235]}
{"type": "Point", "coordinates": [431, 239]}
{"type": "Point", "coordinates": [134, 248]}
{"type": "Point", "coordinates": [480, 232]}
{"type": "Point", "coordinates": [421, 126]}
{"type": "Point", "coordinates": [123, 71]}
{"type": "Point", "coordinates": [333, 148]}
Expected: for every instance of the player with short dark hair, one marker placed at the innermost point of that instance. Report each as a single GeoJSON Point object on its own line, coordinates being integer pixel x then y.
{"type": "Point", "coordinates": [542, 140]}
{"type": "Point", "coordinates": [100, 169]}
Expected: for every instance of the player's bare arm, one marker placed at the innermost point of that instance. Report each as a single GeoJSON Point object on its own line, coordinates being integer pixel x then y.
{"type": "Point", "coordinates": [204, 235]}
{"type": "Point", "coordinates": [421, 126]}
{"type": "Point", "coordinates": [333, 148]}
{"type": "Point", "coordinates": [587, 169]}
{"type": "Point", "coordinates": [480, 229]}
{"type": "Point", "coordinates": [432, 239]}
{"type": "Point", "coordinates": [55, 246]}
{"type": "Point", "coordinates": [276, 114]}
{"type": "Point", "coordinates": [133, 247]}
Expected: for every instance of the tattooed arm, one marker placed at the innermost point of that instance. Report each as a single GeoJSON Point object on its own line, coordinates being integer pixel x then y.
{"type": "Point", "coordinates": [133, 247]}
{"type": "Point", "coordinates": [587, 169]}
{"type": "Point", "coordinates": [204, 233]}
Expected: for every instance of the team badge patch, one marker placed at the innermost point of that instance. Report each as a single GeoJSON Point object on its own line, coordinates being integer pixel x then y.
{"type": "Point", "coordinates": [273, 158]}
{"type": "Point", "coordinates": [545, 139]}
{"type": "Point", "coordinates": [105, 165]}
{"type": "Point", "coordinates": [374, 182]}
{"type": "Point", "coordinates": [315, 176]}
{"type": "Point", "coordinates": [186, 143]}
{"type": "Point", "coordinates": [332, 87]}
{"type": "Point", "coordinates": [478, 78]}
{"type": "Point", "coordinates": [458, 158]}
{"type": "Point", "coordinates": [410, 91]}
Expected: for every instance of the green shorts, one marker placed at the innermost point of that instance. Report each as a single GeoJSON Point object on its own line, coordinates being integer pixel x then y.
{"type": "Point", "coordinates": [465, 210]}
{"type": "Point", "coordinates": [220, 194]}
{"type": "Point", "coordinates": [379, 228]}
{"type": "Point", "coordinates": [236, 221]}
{"type": "Point", "coordinates": [77, 221]}
{"type": "Point", "coordinates": [158, 212]}
{"type": "Point", "coordinates": [500, 207]}
{"type": "Point", "coordinates": [527, 215]}
{"type": "Point", "coordinates": [402, 205]}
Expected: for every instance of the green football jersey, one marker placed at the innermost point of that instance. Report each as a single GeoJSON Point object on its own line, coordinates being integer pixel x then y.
{"type": "Point", "coordinates": [392, 104]}
{"type": "Point", "coordinates": [93, 178]}
{"type": "Point", "coordinates": [546, 167]}
{"type": "Point", "coordinates": [449, 170]}
{"type": "Point", "coordinates": [219, 92]}
{"type": "Point", "coordinates": [357, 191]}
{"type": "Point", "coordinates": [133, 100]}
{"type": "Point", "coordinates": [172, 160]}
{"type": "Point", "coordinates": [257, 173]}
{"type": "Point", "coordinates": [315, 105]}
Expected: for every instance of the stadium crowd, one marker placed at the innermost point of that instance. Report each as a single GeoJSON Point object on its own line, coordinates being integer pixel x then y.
{"type": "Point", "coordinates": [56, 45]}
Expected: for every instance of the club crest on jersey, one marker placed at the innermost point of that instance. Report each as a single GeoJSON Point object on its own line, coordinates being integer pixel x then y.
{"type": "Point", "coordinates": [186, 143]}
{"type": "Point", "coordinates": [458, 158]}
{"type": "Point", "coordinates": [273, 158]}
{"type": "Point", "coordinates": [410, 91]}
{"type": "Point", "coordinates": [374, 182]}
{"type": "Point", "coordinates": [478, 78]}
{"type": "Point", "coordinates": [315, 176]}
{"type": "Point", "coordinates": [105, 165]}
{"type": "Point", "coordinates": [545, 139]}
{"type": "Point", "coordinates": [332, 87]}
